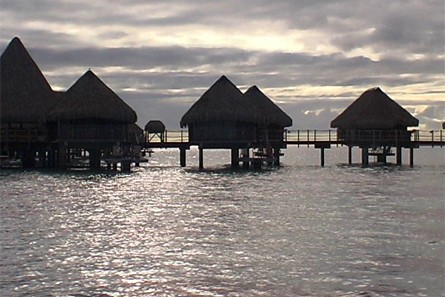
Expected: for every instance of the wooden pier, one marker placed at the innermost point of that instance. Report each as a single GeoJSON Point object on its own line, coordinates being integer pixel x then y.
{"type": "Point", "coordinates": [373, 145]}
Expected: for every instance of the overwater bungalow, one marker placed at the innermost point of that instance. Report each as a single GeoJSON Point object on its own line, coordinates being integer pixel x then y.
{"type": "Point", "coordinates": [222, 117]}
{"type": "Point", "coordinates": [375, 123]}
{"type": "Point", "coordinates": [26, 99]}
{"type": "Point", "coordinates": [92, 117]}
{"type": "Point", "coordinates": [275, 120]}
{"type": "Point", "coordinates": [40, 127]}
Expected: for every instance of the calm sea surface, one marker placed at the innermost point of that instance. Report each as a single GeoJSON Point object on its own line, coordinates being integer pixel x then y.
{"type": "Point", "coordinates": [162, 230]}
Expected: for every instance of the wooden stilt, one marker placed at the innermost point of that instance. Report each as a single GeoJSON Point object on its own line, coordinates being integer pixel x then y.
{"type": "Point", "coordinates": [182, 157]}
{"type": "Point", "coordinates": [399, 155]}
{"type": "Point", "coordinates": [322, 157]}
{"type": "Point", "coordinates": [365, 156]}
{"type": "Point", "coordinates": [350, 155]}
{"type": "Point", "coordinates": [235, 157]}
{"type": "Point", "coordinates": [411, 157]}
{"type": "Point", "coordinates": [201, 158]}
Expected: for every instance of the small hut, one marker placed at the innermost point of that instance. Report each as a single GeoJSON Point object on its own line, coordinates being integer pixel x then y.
{"type": "Point", "coordinates": [92, 117]}
{"type": "Point", "coordinates": [222, 117]}
{"type": "Point", "coordinates": [374, 116]}
{"type": "Point", "coordinates": [26, 99]}
{"type": "Point", "coordinates": [377, 122]}
{"type": "Point", "coordinates": [155, 128]}
{"type": "Point", "coordinates": [275, 119]}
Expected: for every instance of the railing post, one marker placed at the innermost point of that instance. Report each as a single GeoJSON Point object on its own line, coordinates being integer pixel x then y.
{"type": "Point", "coordinates": [298, 138]}
{"type": "Point", "coordinates": [432, 138]}
{"type": "Point", "coordinates": [441, 141]}
{"type": "Point", "coordinates": [182, 135]}
{"type": "Point", "coordinates": [315, 136]}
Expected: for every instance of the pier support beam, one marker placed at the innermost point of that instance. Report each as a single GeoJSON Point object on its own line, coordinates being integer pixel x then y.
{"type": "Point", "coordinates": [182, 157]}
{"type": "Point", "coordinates": [61, 153]}
{"type": "Point", "coordinates": [201, 157]}
{"type": "Point", "coordinates": [276, 154]}
{"type": "Point", "coordinates": [399, 155]}
{"type": "Point", "coordinates": [322, 157]}
{"type": "Point", "coordinates": [125, 166]}
{"type": "Point", "coordinates": [246, 156]}
{"type": "Point", "coordinates": [235, 157]}
{"type": "Point", "coordinates": [95, 158]}
{"type": "Point", "coordinates": [411, 157]}
{"type": "Point", "coordinates": [349, 155]}
{"type": "Point", "coordinates": [365, 156]}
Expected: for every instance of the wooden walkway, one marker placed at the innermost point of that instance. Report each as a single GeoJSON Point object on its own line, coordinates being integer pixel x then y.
{"type": "Point", "coordinates": [316, 138]}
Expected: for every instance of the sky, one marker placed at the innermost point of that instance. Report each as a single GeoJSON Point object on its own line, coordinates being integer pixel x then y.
{"type": "Point", "coordinates": [311, 57]}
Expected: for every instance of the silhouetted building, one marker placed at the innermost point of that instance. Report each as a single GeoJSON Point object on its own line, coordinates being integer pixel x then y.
{"type": "Point", "coordinates": [376, 122]}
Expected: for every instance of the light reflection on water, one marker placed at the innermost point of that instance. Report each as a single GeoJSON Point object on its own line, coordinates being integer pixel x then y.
{"type": "Point", "coordinates": [161, 230]}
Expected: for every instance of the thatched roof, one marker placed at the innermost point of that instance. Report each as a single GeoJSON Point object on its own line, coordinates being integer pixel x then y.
{"type": "Point", "coordinates": [89, 98]}
{"type": "Point", "coordinates": [25, 95]}
{"type": "Point", "coordinates": [223, 101]}
{"type": "Point", "coordinates": [272, 113]}
{"type": "Point", "coordinates": [155, 126]}
{"type": "Point", "coordinates": [374, 110]}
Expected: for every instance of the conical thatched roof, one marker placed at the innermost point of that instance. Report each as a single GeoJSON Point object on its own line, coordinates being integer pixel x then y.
{"type": "Point", "coordinates": [223, 101]}
{"type": "Point", "coordinates": [89, 98]}
{"type": "Point", "coordinates": [25, 94]}
{"type": "Point", "coordinates": [374, 110]}
{"type": "Point", "coordinates": [272, 113]}
{"type": "Point", "coordinates": [155, 126]}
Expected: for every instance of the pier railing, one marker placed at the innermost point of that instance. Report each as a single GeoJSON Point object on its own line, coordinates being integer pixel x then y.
{"type": "Point", "coordinates": [310, 137]}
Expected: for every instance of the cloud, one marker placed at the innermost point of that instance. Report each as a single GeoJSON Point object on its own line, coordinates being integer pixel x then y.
{"type": "Point", "coordinates": [161, 55]}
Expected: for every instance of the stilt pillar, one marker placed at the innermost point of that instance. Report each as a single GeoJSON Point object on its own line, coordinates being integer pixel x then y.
{"type": "Point", "coordinates": [411, 157]}
{"type": "Point", "coordinates": [61, 153]}
{"type": "Point", "coordinates": [125, 166]}
{"type": "Point", "coordinates": [322, 157]}
{"type": "Point", "coordinates": [276, 155]}
{"type": "Point", "coordinates": [350, 155]}
{"type": "Point", "coordinates": [235, 157]}
{"type": "Point", "coordinates": [94, 158]}
{"type": "Point", "coordinates": [201, 157]}
{"type": "Point", "coordinates": [182, 157]}
{"type": "Point", "coordinates": [246, 157]}
{"type": "Point", "coordinates": [365, 156]}
{"type": "Point", "coordinates": [399, 155]}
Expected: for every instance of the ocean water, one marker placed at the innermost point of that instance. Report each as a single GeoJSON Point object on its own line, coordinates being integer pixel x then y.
{"type": "Point", "coordinates": [162, 230]}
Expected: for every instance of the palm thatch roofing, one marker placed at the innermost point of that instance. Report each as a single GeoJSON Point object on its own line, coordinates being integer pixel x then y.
{"type": "Point", "coordinates": [374, 110]}
{"type": "Point", "coordinates": [90, 98]}
{"type": "Point", "coordinates": [26, 95]}
{"type": "Point", "coordinates": [155, 126]}
{"type": "Point", "coordinates": [272, 113]}
{"type": "Point", "coordinates": [222, 102]}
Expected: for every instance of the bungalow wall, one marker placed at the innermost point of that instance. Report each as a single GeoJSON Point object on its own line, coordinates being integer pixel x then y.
{"type": "Point", "coordinates": [272, 135]}
{"type": "Point", "coordinates": [392, 137]}
{"type": "Point", "coordinates": [222, 132]}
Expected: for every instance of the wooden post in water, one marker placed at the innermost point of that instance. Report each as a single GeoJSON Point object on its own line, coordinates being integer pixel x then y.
{"type": "Point", "coordinates": [399, 155]}
{"type": "Point", "coordinates": [349, 154]}
{"type": "Point", "coordinates": [235, 157]}
{"type": "Point", "coordinates": [246, 157]}
{"type": "Point", "coordinates": [182, 156]}
{"type": "Point", "coordinates": [322, 157]}
{"type": "Point", "coordinates": [411, 157]}
{"type": "Point", "coordinates": [61, 153]}
{"type": "Point", "coordinates": [365, 156]}
{"type": "Point", "coordinates": [276, 153]}
{"type": "Point", "coordinates": [201, 157]}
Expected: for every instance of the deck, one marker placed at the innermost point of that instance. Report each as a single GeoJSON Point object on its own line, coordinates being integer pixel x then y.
{"type": "Point", "coordinates": [315, 138]}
